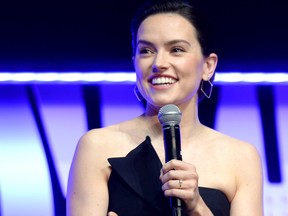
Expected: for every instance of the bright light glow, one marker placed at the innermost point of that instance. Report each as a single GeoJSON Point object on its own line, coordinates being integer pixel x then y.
{"type": "Point", "coordinates": [261, 78]}
{"type": "Point", "coordinates": [130, 77]}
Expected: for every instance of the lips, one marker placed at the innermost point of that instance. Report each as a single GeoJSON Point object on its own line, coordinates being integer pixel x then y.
{"type": "Point", "coordinates": [163, 80]}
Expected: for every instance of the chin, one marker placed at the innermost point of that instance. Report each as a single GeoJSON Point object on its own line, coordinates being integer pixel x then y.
{"type": "Point", "coordinates": [161, 103]}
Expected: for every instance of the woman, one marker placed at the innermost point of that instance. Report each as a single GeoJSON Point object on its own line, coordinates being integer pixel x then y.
{"type": "Point", "coordinates": [121, 169]}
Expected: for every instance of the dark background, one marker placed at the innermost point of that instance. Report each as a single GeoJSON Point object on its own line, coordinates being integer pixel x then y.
{"type": "Point", "coordinates": [94, 35]}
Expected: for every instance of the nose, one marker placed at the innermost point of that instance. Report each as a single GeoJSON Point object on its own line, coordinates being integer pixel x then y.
{"type": "Point", "coordinates": [160, 63]}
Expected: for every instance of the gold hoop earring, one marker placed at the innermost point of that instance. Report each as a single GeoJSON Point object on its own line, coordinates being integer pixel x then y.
{"type": "Point", "coordinates": [206, 88]}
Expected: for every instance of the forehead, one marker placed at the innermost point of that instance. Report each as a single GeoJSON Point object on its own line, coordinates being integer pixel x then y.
{"type": "Point", "coordinates": [166, 25]}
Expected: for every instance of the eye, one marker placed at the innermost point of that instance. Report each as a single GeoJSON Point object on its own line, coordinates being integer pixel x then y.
{"type": "Point", "coordinates": [177, 50]}
{"type": "Point", "coordinates": [145, 51]}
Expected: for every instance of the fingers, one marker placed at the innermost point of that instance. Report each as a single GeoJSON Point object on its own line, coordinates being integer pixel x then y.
{"type": "Point", "coordinates": [176, 165]}
{"type": "Point", "coordinates": [179, 187]}
{"type": "Point", "coordinates": [178, 184]}
{"type": "Point", "coordinates": [179, 179]}
{"type": "Point", "coordinates": [176, 169]}
{"type": "Point", "coordinates": [112, 214]}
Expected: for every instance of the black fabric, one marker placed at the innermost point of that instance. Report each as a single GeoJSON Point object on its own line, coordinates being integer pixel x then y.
{"type": "Point", "coordinates": [135, 188]}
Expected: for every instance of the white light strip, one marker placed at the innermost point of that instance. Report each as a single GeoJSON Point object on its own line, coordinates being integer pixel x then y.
{"type": "Point", "coordinates": [252, 78]}
{"type": "Point", "coordinates": [130, 77]}
{"type": "Point", "coordinates": [71, 77]}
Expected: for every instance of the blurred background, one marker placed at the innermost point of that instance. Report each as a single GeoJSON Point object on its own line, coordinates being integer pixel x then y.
{"type": "Point", "coordinates": [65, 68]}
{"type": "Point", "coordinates": [90, 35]}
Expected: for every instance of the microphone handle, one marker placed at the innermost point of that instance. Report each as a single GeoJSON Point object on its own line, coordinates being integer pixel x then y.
{"type": "Point", "coordinates": [172, 144]}
{"type": "Point", "coordinates": [177, 211]}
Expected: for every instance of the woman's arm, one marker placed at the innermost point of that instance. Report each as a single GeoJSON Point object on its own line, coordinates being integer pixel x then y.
{"type": "Point", "coordinates": [87, 192]}
{"type": "Point", "coordinates": [248, 199]}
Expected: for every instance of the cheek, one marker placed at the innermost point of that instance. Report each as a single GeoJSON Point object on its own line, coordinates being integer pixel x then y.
{"type": "Point", "coordinates": [191, 74]}
{"type": "Point", "coordinates": [141, 68]}
{"type": "Point", "coordinates": [192, 66]}
{"type": "Point", "coordinates": [187, 67]}
{"type": "Point", "coordinates": [140, 75]}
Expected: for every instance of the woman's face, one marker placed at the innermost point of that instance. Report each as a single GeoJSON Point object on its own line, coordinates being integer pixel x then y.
{"type": "Point", "coordinates": [168, 60]}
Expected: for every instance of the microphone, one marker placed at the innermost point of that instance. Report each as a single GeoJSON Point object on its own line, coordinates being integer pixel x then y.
{"type": "Point", "coordinates": [170, 117]}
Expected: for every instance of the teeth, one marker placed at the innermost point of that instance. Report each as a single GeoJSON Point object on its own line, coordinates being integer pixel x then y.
{"type": "Point", "coordinates": [163, 80]}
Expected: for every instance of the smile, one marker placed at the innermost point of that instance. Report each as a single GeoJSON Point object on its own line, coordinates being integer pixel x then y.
{"type": "Point", "coordinates": [163, 81]}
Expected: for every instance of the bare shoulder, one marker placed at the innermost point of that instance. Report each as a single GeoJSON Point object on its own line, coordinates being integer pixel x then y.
{"type": "Point", "coordinates": [97, 145]}
{"type": "Point", "coordinates": [110, 141]}
{"type": "Point", "coordinates": [87, 192]}
{"type": "Point", "coordinates": [243, 160]}
{"type": "Point", "coordinates": [237, 149]}
{"type": "Point", "coordinates": [236, 161]}
{"type": "Point", "coordinates": [101, 140]}
{"type": "Point", "coordinates": [93, 150]}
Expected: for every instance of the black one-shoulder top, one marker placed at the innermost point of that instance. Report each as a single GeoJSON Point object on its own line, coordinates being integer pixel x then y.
{"type": "Point", "coordinates": [135, 188]}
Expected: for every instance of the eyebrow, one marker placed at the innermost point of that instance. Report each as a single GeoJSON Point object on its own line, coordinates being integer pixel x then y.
{"type": "Point", "coordinates": [172, 42]}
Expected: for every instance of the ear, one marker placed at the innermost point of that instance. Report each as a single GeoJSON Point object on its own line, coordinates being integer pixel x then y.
{"type": "Point", "coordinates": [209, 66]}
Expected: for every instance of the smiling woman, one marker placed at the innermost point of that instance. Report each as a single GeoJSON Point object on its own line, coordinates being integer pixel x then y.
{"type": "Point", "coordinates": [167, 42]}
{"type": "Point", "coordinates": [116, 169]}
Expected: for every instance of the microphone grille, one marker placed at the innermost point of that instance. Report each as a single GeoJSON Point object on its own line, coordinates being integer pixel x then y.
{"type": "Point", "coordinates": [169, 114]}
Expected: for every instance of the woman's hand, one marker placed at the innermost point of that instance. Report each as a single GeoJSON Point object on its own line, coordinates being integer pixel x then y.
{"type": "Point", "coordinates": [112, 214]}
{"type": "Point", "coordinates": [180, 180]}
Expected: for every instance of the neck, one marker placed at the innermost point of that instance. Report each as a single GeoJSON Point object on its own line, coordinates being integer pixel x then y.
{"type": "Point", "coordinates": [190, 124]}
